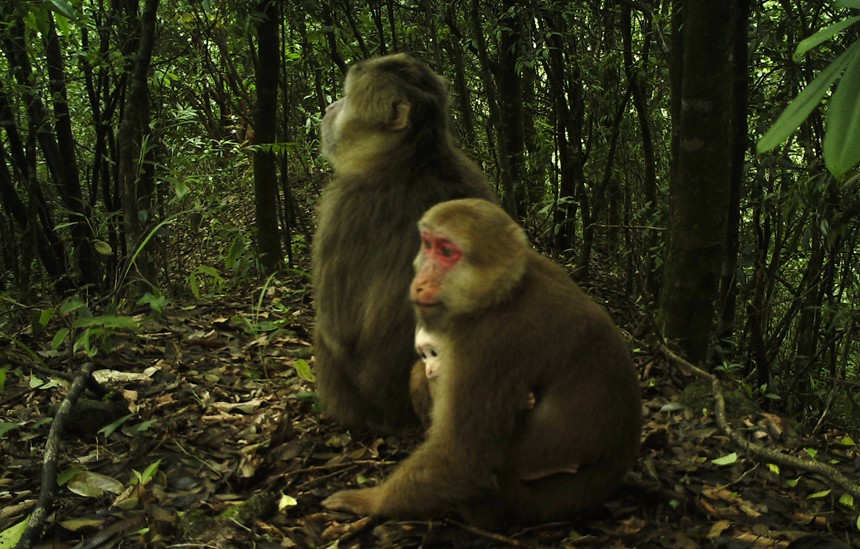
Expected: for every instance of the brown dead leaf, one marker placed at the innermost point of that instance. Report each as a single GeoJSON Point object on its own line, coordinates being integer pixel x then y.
{"type": "Point", "coordinates": [718, 528]}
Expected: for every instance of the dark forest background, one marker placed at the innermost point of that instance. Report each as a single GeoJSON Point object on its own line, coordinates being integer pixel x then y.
{"type": "Point", "coordinates": [152, 151]}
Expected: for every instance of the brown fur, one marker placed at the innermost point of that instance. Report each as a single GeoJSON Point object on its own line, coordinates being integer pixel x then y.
{"type": "Point", "coordinates": [394, 156]}
{"type": "Point", "coordinates": [485, 456]}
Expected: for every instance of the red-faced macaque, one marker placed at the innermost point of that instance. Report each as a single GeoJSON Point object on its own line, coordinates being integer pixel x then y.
{"type": "Point", "coordinates": [390, 143]}
{"type": "Point", "coordinates": [510, 322]}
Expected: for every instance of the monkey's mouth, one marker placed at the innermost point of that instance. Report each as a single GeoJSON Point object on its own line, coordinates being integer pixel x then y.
{"type": "Point", "coordinates": [427, 304]}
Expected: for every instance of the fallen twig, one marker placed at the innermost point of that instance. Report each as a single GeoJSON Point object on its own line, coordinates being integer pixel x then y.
{"type": "Point", "coordinates": [754, 448]}
{"type": "Point", "coordinates": [48, 491]}
{"type": "Point", "coordinates": [505, 540]}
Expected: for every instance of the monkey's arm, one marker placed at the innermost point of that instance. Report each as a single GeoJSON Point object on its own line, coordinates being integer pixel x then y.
{"type": "Point", "coordinates": [472, 428]}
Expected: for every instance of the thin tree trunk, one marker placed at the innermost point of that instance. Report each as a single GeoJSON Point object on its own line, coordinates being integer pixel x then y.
{"type": "Point", "coordinates": [134, 180]}
{"type": "Point", "coordinates": [82, 236]}
{"type": "Point", "coordinates": [508, 197]}
{"type": "Point", "coordinates": [265, 122]}
{"type": "Point", "coordinates": [728, 281]}
{"type": "Point", "coordinates": [511, 102]}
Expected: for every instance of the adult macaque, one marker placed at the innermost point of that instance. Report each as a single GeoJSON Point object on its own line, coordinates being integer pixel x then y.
{"type": "Point", "coordinates": [511, 322]}
{"type": "Point", "coordinates": [389, 141]}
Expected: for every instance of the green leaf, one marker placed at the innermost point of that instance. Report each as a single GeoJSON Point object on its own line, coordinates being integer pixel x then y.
{"type": "Point", "coordinates": [819, 495]}
{"type": "Point", "coordinates": [847, 440]}
{"type": "Point", "coordinates": [3, 371]}
{"type": "Point", "coordinates": [64, 8]}
{"type": "Point", "coordinates": [35, 381]}
{"type": "Point", "coordinates": [102, 247]}
{"type": "Point", "coordinates": [847, 500]}
{"type": "Point", "coordinates": [797, 111]}
{"type": "Point", "coordinates": [857, 524]}
{"type": "Point", "coordinates": [149, 472]}
{"type": "Point", "coordinates": [303, 369]}
{"type": "Point", "coordinates": [59, 338]}
{"type": "Point", "coordinates": [10, 536]}
{"type": "Point", "coordinates": [285, 502]}
{"type": "Point", "coordinates": [773, 468]}
{"type": "Point", "coordinates": [824, 34]}
{"type": "Point", "coordinates": [155, 302]}
{"type": "Point", "coordinates": [848, 4]}
{"type": "Point", "coordinates": [180, 188]}
{"type": "Point", "coordinates": [726, 460]}
{"type": "Point", "coordinates": [5, 427]}
{"type": "Point", "coordinates": [108, 321]}
{"type": "Point", "coordinates": [67, 475]}
{"type": "Point", "coordinates": [46, 315]}
{"type": "Point", "coordinates": [72, 304]}
{"type": "Point", "coordinates": [107, 430]}
{"type": "Point", "coordinates": [842, 135]}
{"type": "Point", "coordinates": [144, 426]}
{"type": "Point", "coordinates": [793, 482]}
{"type": "Point", "coordinates": [811, 452]}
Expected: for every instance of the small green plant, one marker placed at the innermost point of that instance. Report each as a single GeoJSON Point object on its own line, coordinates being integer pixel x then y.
{"type": "Point", "coordinates": [87, 333]}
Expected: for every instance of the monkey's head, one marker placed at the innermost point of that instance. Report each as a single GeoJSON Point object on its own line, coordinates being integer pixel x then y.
{"type": "Point", "coordinates": [472, 257]}
{"type": "Point", "coordinates": [390, 104]}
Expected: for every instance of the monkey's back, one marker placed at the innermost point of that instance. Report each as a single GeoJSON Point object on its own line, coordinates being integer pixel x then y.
{"type": "Point", "coordinates": [362, 265]}
{"type": "Point", "coordinates": [554, 340]}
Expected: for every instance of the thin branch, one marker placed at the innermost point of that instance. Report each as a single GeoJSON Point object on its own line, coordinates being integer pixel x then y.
{"type": "Point", "coordinates": [48, 491]}
{"type": "Point", "coordinates": [754, 448]}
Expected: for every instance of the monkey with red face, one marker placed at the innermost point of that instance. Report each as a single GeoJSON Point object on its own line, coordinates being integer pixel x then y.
{"type": "Point", "coordinates": [510, 323]}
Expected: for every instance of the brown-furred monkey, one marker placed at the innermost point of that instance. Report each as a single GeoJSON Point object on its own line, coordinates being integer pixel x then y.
{"type": "Point", "coordinates": [390, 143]}
{"type": "Point", "coordinates": [422, 382]}
{"type": "Point", "coordinates": [510, 321]}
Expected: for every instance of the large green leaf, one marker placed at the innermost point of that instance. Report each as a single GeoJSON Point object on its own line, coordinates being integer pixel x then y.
{"type": "Point", "coordinates": [824, 34]}
{"type": "Point", "coordinates": [797, 111]}
{"type": "Point", "coordinates": [842, 135]}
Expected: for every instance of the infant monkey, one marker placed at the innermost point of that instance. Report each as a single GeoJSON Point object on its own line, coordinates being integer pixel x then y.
{"type": "Point", "coordinates": [422, 382]}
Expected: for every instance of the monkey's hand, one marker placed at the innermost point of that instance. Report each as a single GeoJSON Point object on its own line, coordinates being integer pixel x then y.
{"type": "Point", "coordinates": [360, 502]}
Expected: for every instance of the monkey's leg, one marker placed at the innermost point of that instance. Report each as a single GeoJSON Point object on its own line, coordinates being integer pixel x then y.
{"type": "Point", "coordinates": [558, 496]}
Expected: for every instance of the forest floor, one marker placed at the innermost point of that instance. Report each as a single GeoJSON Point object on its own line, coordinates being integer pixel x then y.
{"type": "Point", "coordinates": [214, 441]}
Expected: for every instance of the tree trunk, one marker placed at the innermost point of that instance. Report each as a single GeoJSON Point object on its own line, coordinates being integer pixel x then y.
{"type": "Point", "coordinates": [508, 197]}
{"type": "Point", "coordinates": [265, 124]}
{"type": "Point", "coordinates": [566, 90]}
{"type": "Point", "coordinates": [82, 236]}
{"type": "Point", "coordinates": [701, 180]}
{"type": "Point", "coordinates": [134, 181]}
{"type": "Point", "coordinates": [511, 101]}
{"type": "Point", "coordinates": [740, 139]}
{"type": "Point", "coordinates": [461, 88]}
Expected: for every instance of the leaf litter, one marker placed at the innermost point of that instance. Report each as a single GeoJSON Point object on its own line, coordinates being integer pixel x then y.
{"type": "Point", "coordinates": [212, 437]}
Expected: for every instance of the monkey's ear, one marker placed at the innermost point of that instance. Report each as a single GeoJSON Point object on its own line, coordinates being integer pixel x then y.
{"type": "Point", "coordinates": [401, 116]}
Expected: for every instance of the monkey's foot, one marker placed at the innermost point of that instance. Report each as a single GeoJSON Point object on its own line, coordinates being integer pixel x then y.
{"type": "Point", "coordinates": [359, 502]}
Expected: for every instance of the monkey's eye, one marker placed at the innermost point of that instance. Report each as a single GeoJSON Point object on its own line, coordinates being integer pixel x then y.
{"type": "Point", "coordinates": [423, 355]}
{"type": "Point", "coordinates": [427, 243]}
{"type": "Point", "coordinates": [434, 353]}
{"type": "Point", "coordinates": [446, 251]}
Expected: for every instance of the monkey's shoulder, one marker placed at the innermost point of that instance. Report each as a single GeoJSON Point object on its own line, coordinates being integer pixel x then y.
{"type": "Point", "coordinates": [560, 309]}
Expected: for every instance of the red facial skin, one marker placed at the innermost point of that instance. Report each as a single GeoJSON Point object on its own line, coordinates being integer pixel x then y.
{"type": "Point", "coordinates": [440, 256]}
